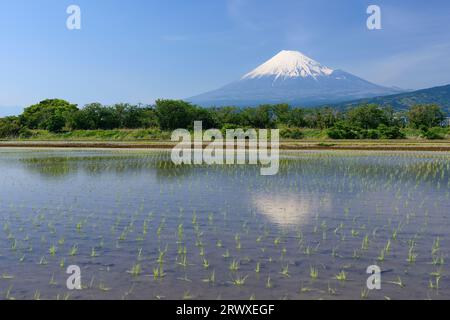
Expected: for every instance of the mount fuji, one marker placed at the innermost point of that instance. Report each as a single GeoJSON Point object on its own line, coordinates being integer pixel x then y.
{"type": "Point", "coordinates": [292, 77]}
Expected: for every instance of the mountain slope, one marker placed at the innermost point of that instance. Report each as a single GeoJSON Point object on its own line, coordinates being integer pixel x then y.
{"type": "Point", "coordinates": [438, 95]}
{"type": "Point", "coordinates": [291, 77]}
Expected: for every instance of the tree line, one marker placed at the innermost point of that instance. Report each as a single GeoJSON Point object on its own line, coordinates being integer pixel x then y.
{"type": "Point", "coordinates": [365, 121]}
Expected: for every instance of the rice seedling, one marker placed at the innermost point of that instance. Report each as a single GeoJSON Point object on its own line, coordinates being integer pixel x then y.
{"type": "Point", "coordinates": [341, 276]}
{"type": "Point", "coordinates": [365, 243]}
{"type": "Point", "coordinates": [211, 278]}
{"type": "Point", "coordinates": [398, 282]}
{"type": "Point", "coordinates": [412, 256]}
{"type": "Point", "coordinates": [8, 295]}
{"type": "Point", "coordinates": [381, 257]}
{"type": "Point", "coordinates": [52, 281]}
{"type": "Point", "coordinates": [226, 255]}
{"type": "Point", "coordinates": [37, 295]}
{"type": "Point", "coordinates": [205, 263]}
{"type": "Point", "coordinates": [387, 248]}
{"type": "Point", "coordinates": [187, 295]}
{"type": "Point", "coordinates": [313, 273]}
{"type": "Point", "coordinates": [74, 250]}
{"type": "Point", "coordinates": [438, 260]}
{"type": "Point", "coordinates": [364, 293]}
{"type": "Point", "coordinates": [434, 284]}
{"type": "Point", "coordinates": [258, 267]}
{"type": "Point", "coordinates": [285, 271]}
{"type": "Point", "coordinates": [239, 280]}
{"type": "Point", "coordinates": [103, 287]}
{"type": "Point", "coordinates": [234, 266]}
{"type": "Point", "coordinates": [436, 246]}
{"type": "Point", "coordinates": [331, 291]}
{"type": "Point", "coordinates": [135, 270]}
{"type": "Point", "coordinates": [268, 283]}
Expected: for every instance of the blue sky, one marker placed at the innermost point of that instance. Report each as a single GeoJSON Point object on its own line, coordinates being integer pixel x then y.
{"type": "Point", "coordinates": [140, 50]}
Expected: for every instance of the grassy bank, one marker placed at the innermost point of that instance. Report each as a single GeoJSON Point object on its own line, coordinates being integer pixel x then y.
{"type": "Point", "coordinates": [313, 139]}
{"type": "Point", "coordinates": [158, 135]}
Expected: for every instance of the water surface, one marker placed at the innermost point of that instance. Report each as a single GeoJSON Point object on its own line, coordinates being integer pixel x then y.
{"type": "Point", "coordinates": [142, 228]}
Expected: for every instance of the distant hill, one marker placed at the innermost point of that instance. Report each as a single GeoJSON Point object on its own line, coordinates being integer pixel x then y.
{"type": "Point", "coordinates": [438, 95]}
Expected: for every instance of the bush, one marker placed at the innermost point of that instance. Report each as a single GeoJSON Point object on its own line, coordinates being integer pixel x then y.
{"type": "Point", "coordinates": [9, 127]}
{"type": "Point", "coordinates": [343, 130]}
{"type": "Point", "coordinates": [424, 115]}
{"type": "Point", "coordinates": [370, 134]}
{"type": "Point", "coordinates": [55, 123]}
{"type": "Point", "coordinates": [50, 114]}
{"type": "Point", "coordinates": [390, 132]}
{"type": "Point", "coordinates": [291, 133]}
{"type": "Point", "coordinates": [432, 133]}
{"type": "Point", "coordinates": [25, 133]}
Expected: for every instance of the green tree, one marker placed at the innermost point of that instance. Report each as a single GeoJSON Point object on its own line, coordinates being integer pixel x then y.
{"type": "Point", "coordinates": [368, 116]}
{"type": "Point", "coordinates": [425, 116]}
{"type": "Point", "coordinates": [321, 118]}
{"type": "Point", "coordinates": [55, 123]}
{"type": "Point", "coordinates": [96, 116]}
{"type": "Point", "coordinates": [174, 114]}
{"type": "Point", "coordinates": [259, 117]}
{"type": "Point", "coordinates": [204, 115]}
{"type": "Point", "coordinates": [296, 118]}
{"type": "Point", "coordinates": [227, 116]}
{"type": "Point", "coordinates": [282, 113]}
{"type": "Point", "coordinates": [9, 127]}
{"type": "Point", "coordinates": [48, 114]}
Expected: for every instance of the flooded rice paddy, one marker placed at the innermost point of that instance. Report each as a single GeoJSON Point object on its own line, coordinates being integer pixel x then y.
{"type": "Point", "coordinates": [141, 228]}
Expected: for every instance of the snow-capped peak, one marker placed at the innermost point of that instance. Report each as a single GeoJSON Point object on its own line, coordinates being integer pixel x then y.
{"type": "Point", "coordinates": [289, 64]}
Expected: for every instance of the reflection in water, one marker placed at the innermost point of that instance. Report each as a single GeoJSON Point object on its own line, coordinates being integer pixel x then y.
{"type": "Point", "coordinates": [114, 213]}
{"type": "Point", "coordinates": [288, 209]}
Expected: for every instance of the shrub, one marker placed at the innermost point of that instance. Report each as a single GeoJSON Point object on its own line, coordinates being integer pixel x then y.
{"type": "Point", "coordinates": [9, 127]}
{"type": "Point", "coordinates": [370, 134]}
{"type": "Point", "coordinates": [390, 132]}
{"type": "Point", "coordinates": [432, 133]}
{"type": "Point", "coordinates": [291, 133]}
{"type": "Point", "coordinates": [343, 130]}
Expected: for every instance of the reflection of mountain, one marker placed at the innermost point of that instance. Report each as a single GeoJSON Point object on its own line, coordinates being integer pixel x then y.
{"type": "Point", "coordinates": [289, 209]}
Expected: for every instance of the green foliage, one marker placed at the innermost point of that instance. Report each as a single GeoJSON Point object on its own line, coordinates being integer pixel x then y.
{"type": "Point", "coordinates": [49, 114]}
{"type": "Point", "coordinates": [55, 123]}
{"type": "Point", "coordinates": [425, 115]}
{"type": "Point", "coordinates": [367, 116]}
{"type": "Point", "coordinates": [435, 133]}
{"type": "Point", "coordinates": [96, 121]}
{"type": "Point", "coordinates": [174, 114]}
{"type": "Point", "coordinates": [321, 118]}
{"type": "Point", "coordinates": [291, 133]}
{"type": "Point", "coordinates": [392, 132]}
{"type": "Point", "coordinates": [344, 130]}
{"type": "Point", "coordinates": [259, 117]}
{"type": "Point", "coordinates": [9, 127]}
{"type": "Point", "coordinates": [296, 118]}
